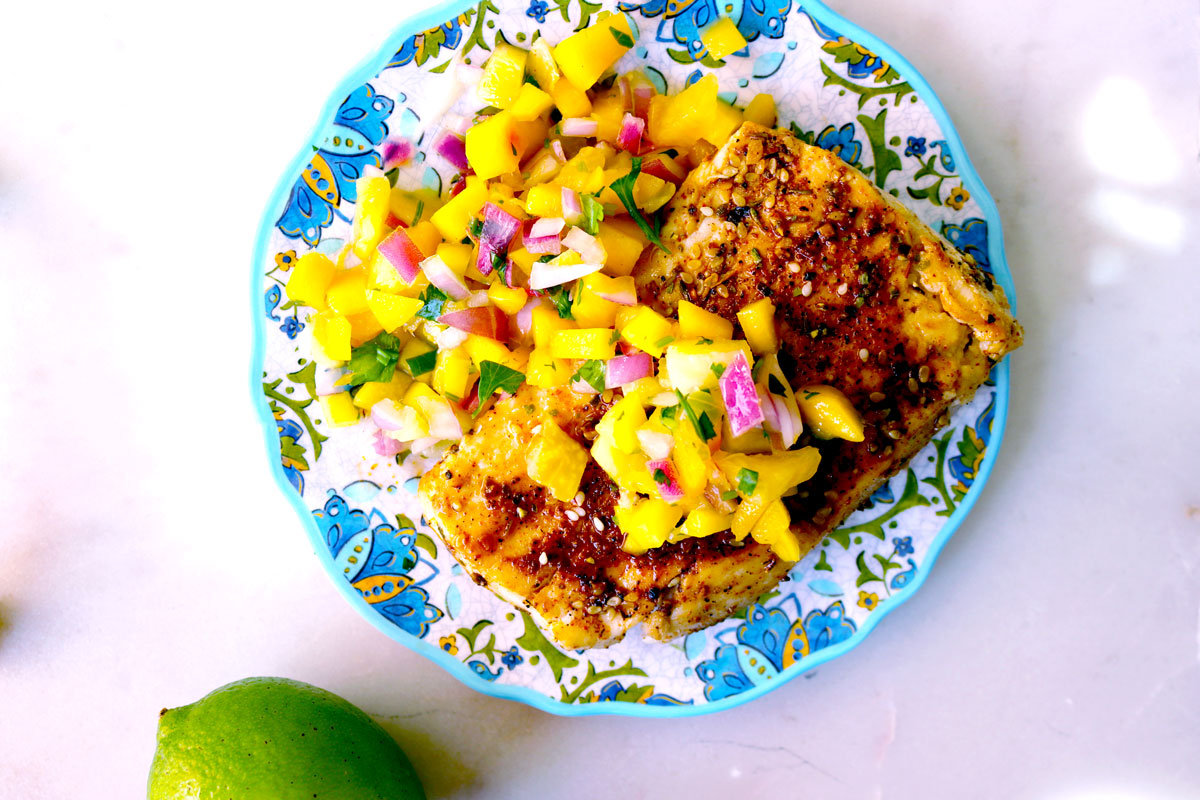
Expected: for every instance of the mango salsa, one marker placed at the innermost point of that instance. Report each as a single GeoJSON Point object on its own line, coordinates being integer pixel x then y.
{"type": "Point", "coordinates": [723, 38]}
{"type": "Point", "coordinates": [491, 147]}
{"type": "Point", "coordinates": [829, 413]}
{"type": "Point", "coordinates": [556, 461]}
{"type": "Point", "coordinates": [758, 324]}
{"type": "Point", "coordinates": [310, 279]}
{"type": "Point", "coordinates": [502, 76]}
{"type": "Point", "coordinates": [584, 56]}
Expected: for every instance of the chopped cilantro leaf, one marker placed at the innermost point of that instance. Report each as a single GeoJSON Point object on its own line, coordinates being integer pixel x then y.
{"type": "Point", "coordinates": [419, 365]}
{"type": "Point", "coordinates": [591, 372]}
{"type": "Point", "coordinates": [669, 412]}
{"type": "Point", "coordinates": [493, 376]}
{"type": "Point", "coordinates": [729, 494]}
{"type": "Point", "coordinates": [475, 228]}
{"type": "Point", "coordinates": [811, 395]}
{"type": "Point", "coordinates": [660, 476]}
{"type": "Point", "coordinates": [747, 479]}
{"type": "Point", "coordinates": [593, 214]}
{"type": "Point", "coordinates": [776, 386]}
{"type": "Point", "coordinates": [616, 337]}
{"type": "Point", "coordinates": [374, 361]}
{"type": "Point", "coordinates": [704, 340]}
{"type": "Point", "coordinates": [433, 298]}
{"type": "Point", "coordinates": [702, 424]}
{"type": "Point", "coordinates": [717, 369]}
{"type": "Point", "coordinates": [533, 80]}
{"type": "Point", "coordinates": [664, 341]}
{"type": "Point", "coordinates": [562, 301]}
{"type": "Point", "coordinates": [623, 187]}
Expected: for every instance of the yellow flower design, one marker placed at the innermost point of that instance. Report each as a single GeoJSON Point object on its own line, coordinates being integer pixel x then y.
{"type": "Point", "coordinates": [449, 644]}
{"type": "Point", "coordinates": [285, 260]}
{"type": "Point", "coordinates": [868, 600]}
{"type": "Point", "coordinates": [958, 198]}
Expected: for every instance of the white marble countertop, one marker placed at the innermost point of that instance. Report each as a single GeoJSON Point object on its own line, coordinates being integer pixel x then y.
{"type": "Point", "coordinates": [147, 557]}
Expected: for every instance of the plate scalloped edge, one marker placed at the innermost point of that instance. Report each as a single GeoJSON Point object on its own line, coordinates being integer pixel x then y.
{"type": "Point", "coordinates": [367, 68]}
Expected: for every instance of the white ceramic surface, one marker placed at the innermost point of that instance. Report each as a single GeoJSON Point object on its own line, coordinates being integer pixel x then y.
{"type": "Point", "coordinates": [135, 149]}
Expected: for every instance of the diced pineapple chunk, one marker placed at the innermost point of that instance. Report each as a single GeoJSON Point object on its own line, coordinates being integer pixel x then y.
{"type": "Point", "coordinates": [426, 237]}
{"type": "Point", "coordinates": [694, 364]}
{"type": "Point", "coordinates": [762, 110]}
{"type": "Point", "coordinates": [725, 120]}
{"type": "Point", "coordinates": [509, 299]}
{"type": "Point", "coordinates": [546, 322]}
{"type": "Point", "coordinates": [456, 256]}
{"type": "Point", "coordinates": [829, 413]}
{"type": "Point", "coordinates": [571, 101]}
{"type": "Point", "coordinates": [623, 248]}
{"type": "Point", "coordinates": [339, 409]}
{"type": "Point", "coordinates": [695, 323]}
{"type": "Point", "coordinates": [584, 343]}
{"type": "Point", "coordinates": [544, 200]}
{"type": "Point", "coordinates": [491, 148]}
{"type": "Point", "coordinates": [347, 294]}
{"type": "Point", "coordinates": [758, 325]}
{"type": "Point", "coordinates": [623, 421]}
{"type": "Point", "coordinates": [556, 461]}
{"type": "Point", "coordinates": [680, 120]}
{"type": "Point", "coordinates": [503, 76]}
{"type": "Point", "coordinates": [723, 38]}
{"type": "Point", "coordinates": [370, 215]}
{"type": "Point", "coordinates": [583, 57]}
{"type": "Point", "coordinates": [310, 279]}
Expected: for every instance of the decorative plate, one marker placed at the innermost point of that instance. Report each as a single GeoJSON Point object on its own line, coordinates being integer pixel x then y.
{"type": "Point", "coordinates": [837, 86]}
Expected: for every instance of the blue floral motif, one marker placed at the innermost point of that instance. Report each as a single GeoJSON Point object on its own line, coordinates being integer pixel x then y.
{"type": "Point", "coordinates": [616, 692]}
{"type": "Point", "coordinates": [902, 579]}
{"type": "Point", "coordinates": [290, 432]}
{"type": "Point", "coordinates": [376, 559]}
{"type": "Point", "coordinates": [274, 296]}
{"type": "Point", "coordinates": [480, 669]}
{"type": "Point", "coordinates": [537, 10]}
{"type": "Point", "coordinates": [683, 20]}
{"type": "Point", "coordinates": [841, 141]}
{"type": "Point", "coordinates": [883, 494]}
{"type": "Point", "coordinates": [915, 146]}
{"type": "Point", "coordinates": [512, 657]}
{"type": "Point", "coordinates": [972, 238]}
{"type": "Point", "coordinates": [359, 127]}
{"type": "Point", "coordinates": [904, 545]}
{"type": "Point", "coordinates": [767, 643]}
{"type": "Point", "coordinates": [292, 327]}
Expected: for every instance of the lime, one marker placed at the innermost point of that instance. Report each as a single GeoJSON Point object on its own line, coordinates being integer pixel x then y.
{"type": "Point", "coordinates": [277, 739]}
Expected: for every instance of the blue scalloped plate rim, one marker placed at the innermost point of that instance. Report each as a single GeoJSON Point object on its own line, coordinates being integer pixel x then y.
{"type": "Point", "coordinates": [366, 69]}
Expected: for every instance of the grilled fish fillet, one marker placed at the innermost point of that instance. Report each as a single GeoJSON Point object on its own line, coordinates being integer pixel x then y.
{"type": "Point", "coordinates": [868, 299]}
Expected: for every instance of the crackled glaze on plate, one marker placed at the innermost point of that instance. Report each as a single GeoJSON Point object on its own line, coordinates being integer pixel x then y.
{"type": "Point", "coordinates": [837, 87]}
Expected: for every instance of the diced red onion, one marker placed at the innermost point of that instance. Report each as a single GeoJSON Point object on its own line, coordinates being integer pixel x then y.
{"type": "Point", "coordinates": [398, 151]}
{"type": "Point", "coordinates": [580, 386]}
{"type": "Point", "coordinates": [387, 414]}
{"type": "Point", "coordinates": [641, 100]}
{"type": "Point", "coordinates": [499, 228]}
{"type": "Point", "coordinates": [625, 297]}
{"type": "Point", "coordinates": [655, 444]}
{"type": "Point", "coordinates": [630, 136]}
{"type": "Point", "coordinates": [452, 148]}
{"type": "Point", "coordinates": [478, 299]}
{"type": "Point", "coordinates": [543, 236]}
{"type": "Point", "coordinates": [571, 206]}
{"type": "Point", "coordinates": [402, 253]}
{"type": "Point", "coordinates": [627, 369]}
{"type": "Point", "coordinates": [668, 489]}
{"type": "Point", "coordinates": [524, 318]}
{"type": "Point", "coordinates": [444, 278]}
{"type": "Point", "coordinates": [556, 147]}
{"type": "Point", "coordinates": [579, 126]}
{"type": "Point", "coordinates": [544, 274]}
{"type": "Point", "coordinates": [588, 246]}
{"type": "Point", "coordinates": [740, 396]}
{"type": "Point", "coordinates": [386, 446]}
{"type": "Point", "coordinates": [790, 425]}
{"type": "Point", "coordinates": [488, 321]}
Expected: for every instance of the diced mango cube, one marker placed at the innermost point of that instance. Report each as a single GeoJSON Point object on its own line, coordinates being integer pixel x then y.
{"type": "Point", "coordinates": [546, 322]}
{"type": "Point", "coordinates": [503, 76]}
{"type": "Point", "coordinates": [722, 38]}
{"type": "Point", "coordinates": [695, 323]}
{"type": "Point", "coordinates": [583, 343]}
{"type": "Point", "coordinates": [583, 57]}
{"type": "Point", "coordinates": [682, 119]}
{"type": "Point", "coordinates": [456, 256]}
{"type": "Point", "coordinates": [725, 120]}
{"type": "Point", "coordinates": [484, 348]}
{"type": "Point", "coordinates": [332, 332]}
{"type": "Point", "coordinates": [556, 461]}
{"type": "Point", "coordinates": [363, 328]}
{"type": "Point", "coordinates": [452, 219]}
{"type": "Point", "coordinates": [491, 148]}
{"type": "Point", "coordinates": [622, 422]}
{"type": "Point", "coordinates": [648, 524]}
{"type": "Point", "coordinates": [347, 294]}
{"type": "Point", "coordinates": [762, 110]}
{"type": "Point", "coordinates": [426, 237]}
{"type": "Point", "coordinates": [339, 409]}
{"type": "Point", "coordinates": [523, 259]}
{"type": "Point", "coordinates": [592, 311]}
{"type": "Point", "coordinates": [453, 375]}
{"type": "Point", "coordinates": [372, 392]}
{"type": "Point", "coordinates": [608, 110]}
{"type": "Point", "coordinates": [758, 325]}
{"type": "Point", "coordinates": [704, 520]}
{"type": "Point", "coordinates": [646, 329]}
{"type": "Point", "coordinates": [531, 103]}
{"type": "Point", "coordinates": [528, 138]}
{"type": "Point", "coordinates": [774, 528]}
{"type": "Point", "coordinates": [623, 249]}
{"type": "Point", "coordinates": [544, 200]}
{"type": "Point", "coordinates": [310, 279]}
{"type": "Point", "coordinates": [410, 207]}
{"type": "Point", "coordinates": [392, 310]}
{"type": "Point", "coordinates": [545, 371]}
{"type": "Point", "coordinates": [694, 364]}
{"type": "Point", "coordinates": [829, 413]}
{"type": "Point", "coordinates": [370, 216]}
{"type": "Point", "coordinates": [571, 101]}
